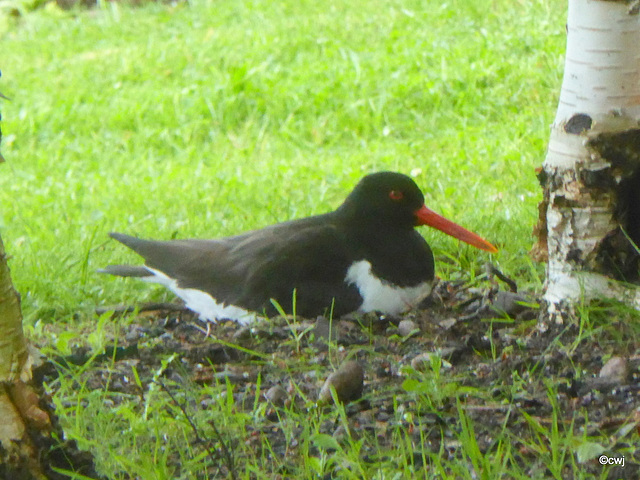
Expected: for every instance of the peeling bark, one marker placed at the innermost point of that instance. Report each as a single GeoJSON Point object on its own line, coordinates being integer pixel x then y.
{"type": "Point", "coordinates": [589, 225]}
{"type": "Point", "coordinates": [13, 348]}
{"type": "Point", "coordinates": [19, 405]}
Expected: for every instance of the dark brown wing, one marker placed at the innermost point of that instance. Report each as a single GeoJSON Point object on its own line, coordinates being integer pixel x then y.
{"type": "Point", "coordinates": [313, 261]}
{"type": "Point", "coordinates": [248, 270]}
{"type": "Point", "coordinates": [202, 264]}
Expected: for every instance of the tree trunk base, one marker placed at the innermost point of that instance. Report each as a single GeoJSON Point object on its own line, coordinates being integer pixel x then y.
{"type": "Point", "coordinates": [38, 447]}
{"type": "Point", "coordinates": [569, 290]}
{"type": "Point", "coordinates": [589, 227]}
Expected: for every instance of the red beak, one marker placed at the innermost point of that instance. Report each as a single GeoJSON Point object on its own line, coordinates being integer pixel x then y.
{"type": "Point", "coordinates": [424, 216]}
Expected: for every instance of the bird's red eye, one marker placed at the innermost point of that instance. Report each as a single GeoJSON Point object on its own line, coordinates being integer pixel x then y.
{"type": "Point", "coordinates": [396, 195]}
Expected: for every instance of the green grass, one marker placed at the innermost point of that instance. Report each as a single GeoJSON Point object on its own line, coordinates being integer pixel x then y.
{"type": "Point", "coordinates": [211, 118]}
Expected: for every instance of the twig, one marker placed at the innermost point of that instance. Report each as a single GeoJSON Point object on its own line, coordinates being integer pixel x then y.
{"type": "Point", "coordinates": [146, 307]}
{"type": "Point", "coordinates": [492, 270]}
{"type": "Point", "coordinates": [206, 332]}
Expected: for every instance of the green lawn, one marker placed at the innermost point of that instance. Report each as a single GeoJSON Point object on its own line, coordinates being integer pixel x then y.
{"type": "Point", "coordinates": [209, 118]}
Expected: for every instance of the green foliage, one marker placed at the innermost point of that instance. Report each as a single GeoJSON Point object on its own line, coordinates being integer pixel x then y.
{"type": "Point", "coordinates": [210, 118]}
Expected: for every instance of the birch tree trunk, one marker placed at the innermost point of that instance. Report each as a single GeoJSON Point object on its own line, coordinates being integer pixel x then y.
{"type": "Point", "coordinates": [589, 225]}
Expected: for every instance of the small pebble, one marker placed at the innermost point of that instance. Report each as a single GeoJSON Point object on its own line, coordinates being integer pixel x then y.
{"type": "Point", "coordinates": [133, 335]}
{"type": "Point", "coordinates": [348, 382]}
{"type": "Point", "coordinates": [422, 361]}
{"type": "Point", "coordinates": [616, 369]}
{"type": "Point", "coordinates": [407, 327]}
{"type": "Point", "coordinates": [325, 331]}
{"type": "Point", "coordinates": [448, 323]}
{"type": "Point", "coordinates": [231, 376]}
{"type": "Point", "coordinates": [276, 395]}
{"type": "Point", "coordinates": [508, 303]}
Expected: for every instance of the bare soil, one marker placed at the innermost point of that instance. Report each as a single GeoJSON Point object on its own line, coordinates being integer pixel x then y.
{"type": "Point", "coordinates": [503, 372]}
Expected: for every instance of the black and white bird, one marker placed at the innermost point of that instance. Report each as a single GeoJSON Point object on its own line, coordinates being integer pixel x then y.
{"type": "Point", "coordinates": [364, 256]}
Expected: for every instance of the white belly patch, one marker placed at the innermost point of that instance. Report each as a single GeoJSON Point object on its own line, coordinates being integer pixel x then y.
{"type": "Point", "coordinates": [207, 308]}
{"type": "Point", "coordinates": [380, 296]}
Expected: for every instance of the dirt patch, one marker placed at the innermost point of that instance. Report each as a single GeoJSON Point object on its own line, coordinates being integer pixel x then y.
{"type": "Point", "coordinates": [458, 358]}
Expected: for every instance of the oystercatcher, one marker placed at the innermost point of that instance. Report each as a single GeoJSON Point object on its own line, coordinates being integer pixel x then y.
{"type": "Point", "coordinates": [364, 256]}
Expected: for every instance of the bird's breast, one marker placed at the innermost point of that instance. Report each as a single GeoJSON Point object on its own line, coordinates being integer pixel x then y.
{"type": "Point", "coordinates": [382, 296]}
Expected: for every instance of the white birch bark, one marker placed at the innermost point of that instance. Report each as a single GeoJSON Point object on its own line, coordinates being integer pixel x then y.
{"type": "Point", "coordinates": [600, 95]}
